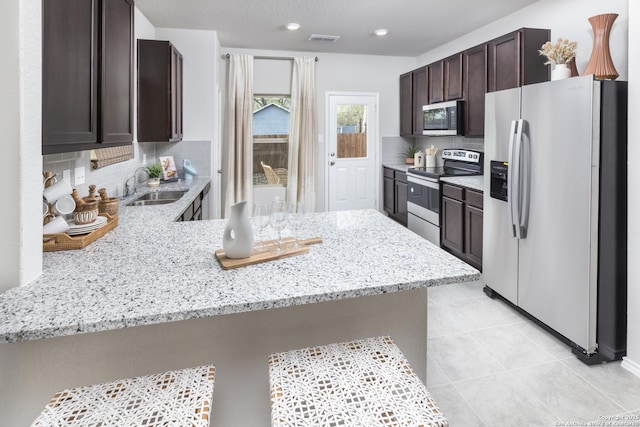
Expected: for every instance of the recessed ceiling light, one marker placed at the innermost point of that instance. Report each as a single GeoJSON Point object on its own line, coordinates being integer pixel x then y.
{"type": "Point", "coordinates": [381, 32]}
{"type": "Point", "coordinates": [292, 26]}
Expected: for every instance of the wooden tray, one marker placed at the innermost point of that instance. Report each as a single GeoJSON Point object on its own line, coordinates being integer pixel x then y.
{"type": "Point", "coordinates": [64, 242]}
{"type": "Point", "coordinates": [258, 257]}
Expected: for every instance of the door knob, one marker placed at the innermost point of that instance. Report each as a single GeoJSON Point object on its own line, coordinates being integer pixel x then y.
{"type": "Point", "coordinates": [332, 162]}
{"type": "Point", "coordinates": [332, 154]}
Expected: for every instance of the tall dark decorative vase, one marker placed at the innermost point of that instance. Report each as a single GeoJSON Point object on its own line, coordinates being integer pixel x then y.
{"type": "Point", "coordinates": [600, 63]}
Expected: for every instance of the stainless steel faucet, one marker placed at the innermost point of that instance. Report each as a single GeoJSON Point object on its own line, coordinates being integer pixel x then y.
{"type": "Point", "coordinates": [130, 191]}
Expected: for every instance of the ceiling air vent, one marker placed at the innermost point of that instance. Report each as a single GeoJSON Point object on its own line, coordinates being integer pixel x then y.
{"type": "Point", "coordinates": [322, 38]}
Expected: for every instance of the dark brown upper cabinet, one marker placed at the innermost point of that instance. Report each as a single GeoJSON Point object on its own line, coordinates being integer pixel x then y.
{"type": "Point", "coordinates": [514, 60]}
{"type": "Point", "coordinates": [420, 97]}
{"type": "Point", "coordinates": [414, 94]}
{"type": "Point", "coordinates": [475, 87]}
{"type": "Point", "coordinates": [453, 76]}
{"type": "Point", "coordinates": [436, 82]}
{"type": "Point", "coordinates": [87, 74]}
{"type": "Point", "coordinates": [406, 105]}
{"type": "Point", "coordinates": [159, 91]}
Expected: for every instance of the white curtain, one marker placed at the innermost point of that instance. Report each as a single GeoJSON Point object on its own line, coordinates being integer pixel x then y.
{"type": "Point", "coordinates": [302, 134]}
{"type": "Point", "coordinates": [239, 167]}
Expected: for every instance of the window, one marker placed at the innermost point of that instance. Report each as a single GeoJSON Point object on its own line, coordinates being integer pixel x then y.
{"type": "Point", "coordinates": [270, 139]}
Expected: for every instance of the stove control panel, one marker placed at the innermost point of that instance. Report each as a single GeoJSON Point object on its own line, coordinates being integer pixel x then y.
{"type": "Point", "coordinates": [462, 155]}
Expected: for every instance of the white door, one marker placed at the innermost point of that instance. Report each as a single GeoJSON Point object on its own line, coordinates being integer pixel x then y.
{"type": "Point", "coordinates": [352, 148]}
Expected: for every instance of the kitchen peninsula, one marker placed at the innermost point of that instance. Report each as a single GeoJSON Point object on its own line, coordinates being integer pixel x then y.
{"type": "Point", "coordinates": [150, 296]}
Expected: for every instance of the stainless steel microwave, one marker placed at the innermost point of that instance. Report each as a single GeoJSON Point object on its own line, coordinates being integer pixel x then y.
{"type": "Point", "coordinates": [444, 118]}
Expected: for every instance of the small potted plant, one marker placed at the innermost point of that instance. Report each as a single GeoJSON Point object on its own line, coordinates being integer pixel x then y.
{"type": "Point", "coordinates": [410, 152]}
{"type": "Point", "coordinates": [155, 172]}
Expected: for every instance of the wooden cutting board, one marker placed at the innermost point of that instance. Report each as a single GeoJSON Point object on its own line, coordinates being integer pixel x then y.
{"type": "Point", "coordinates": [258, 257]}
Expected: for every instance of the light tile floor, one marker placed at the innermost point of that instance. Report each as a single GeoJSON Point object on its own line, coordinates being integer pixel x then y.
{"type": "Point", "coordinates": [488, 365]}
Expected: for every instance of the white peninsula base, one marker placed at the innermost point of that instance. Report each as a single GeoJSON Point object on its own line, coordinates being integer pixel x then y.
{"type": "Point", "coordinates": [237, 344]}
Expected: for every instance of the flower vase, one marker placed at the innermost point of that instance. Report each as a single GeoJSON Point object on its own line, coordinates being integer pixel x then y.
{"type": "Point", "coordinates": [600, 64]}
{"type": "Point", "coordinates": [560, 71]}
{"type": "Point", "coordinates": [237, 240]}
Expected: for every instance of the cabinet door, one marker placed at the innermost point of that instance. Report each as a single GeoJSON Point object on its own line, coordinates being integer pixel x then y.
{"type": "Point", "coordinates": [475, 87]}
{"type": "Point", "coordinates": [436, 82]}
{"type": "Point", "coordinates": [473, 235]}
{"type": "Point", "coordinates": [420, 97]}
{"type": "Point", "coordinates": [116, 94]}
{"type": "Point", "coordinates": [176, 95]}
{"type": "Point", "coordinates": [504, 62]}
{"type": "Point", "coordinates": [402, 191]}
{"type": "Point", "coordinates": [389, 195]}
{"type": "Point", "coordinates": [514, 60]}
{"type": "Point", "coordinates": [406, 105]}
{"type": "Point", "coordinates": [452, 227]}
{"type": "Point", "coordinates": [69, 77]}
{"type": "Point", "coordinates": [453, 76]}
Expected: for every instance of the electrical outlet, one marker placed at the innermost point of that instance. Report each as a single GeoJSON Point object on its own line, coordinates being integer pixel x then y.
{"type": "Point", "coordinates": [79, 174]}
{"type": "Point", "coordinates": [66, 176]}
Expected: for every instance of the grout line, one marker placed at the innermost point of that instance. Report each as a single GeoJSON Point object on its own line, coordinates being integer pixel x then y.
{"type": "Point", "coordinates": [484, 423]}
{"type": "Point", "coordinates": [597, 388]}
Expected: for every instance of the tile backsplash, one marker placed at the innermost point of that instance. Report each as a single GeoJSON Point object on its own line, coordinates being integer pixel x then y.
{"type": "Point", "coordinates": [393, 147]}
{"type": "Point", "coordinates": [112, 177]}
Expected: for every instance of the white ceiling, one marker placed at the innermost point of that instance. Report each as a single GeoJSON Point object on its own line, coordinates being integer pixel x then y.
{"type": "Point", "coordinates": [415, 26]}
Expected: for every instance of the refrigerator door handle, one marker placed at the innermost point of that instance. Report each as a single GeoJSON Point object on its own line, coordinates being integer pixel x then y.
{"type": "Point", "coordinates": [517, 187]}
{"type": "Point", "coordinates": [525, 179]}
{"type": "Point", "coordinates": [510, 177]}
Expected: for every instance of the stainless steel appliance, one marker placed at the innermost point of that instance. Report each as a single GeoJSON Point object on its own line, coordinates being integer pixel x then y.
{"type": "Point", "coordinates": [423, 199]}
{"type": "Point", "coordinates": [443, 118]}
{"type": "Point", "coordinates": [554, 241]}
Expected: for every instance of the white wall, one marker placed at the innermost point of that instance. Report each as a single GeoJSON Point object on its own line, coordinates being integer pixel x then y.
{"type": "Point", "coordinates": [346, 73]}
{"type": "Point", "coordinates": [10, 124]}
{"type": "Point", "coordinates": [20, 112]}
{"type": "Point", "coordinates": [565, 18]}
{"type": "Point", "coordinates": [632, 360]}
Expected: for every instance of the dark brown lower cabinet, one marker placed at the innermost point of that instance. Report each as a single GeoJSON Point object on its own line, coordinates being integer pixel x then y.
{"type": "Point", "coordinates": [395, 191]}
{"type": "Point", "coordinates": [452, 227]}
{"type": "Point", "coordinates": [473, 235]}
{"type": "Point", "coordinates": [461, 223]}
{"type": "Point", "coordinates": [193, 212]}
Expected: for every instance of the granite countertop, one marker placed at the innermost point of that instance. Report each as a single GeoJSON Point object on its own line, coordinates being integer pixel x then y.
{"type": "Point", "coordinates": [402, 167]}
{"type": "Point", "coordinates": [474, 182]}
{"type": "Point", "coordinates": [152, 270]}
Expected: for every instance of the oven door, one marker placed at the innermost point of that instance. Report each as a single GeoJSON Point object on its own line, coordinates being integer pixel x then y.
{"type": "Point", "coordinates": [423, 206]}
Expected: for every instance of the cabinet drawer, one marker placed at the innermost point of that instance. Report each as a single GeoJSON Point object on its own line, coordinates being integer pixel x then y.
{"type": "Point", "coordinates": [474, 198]}
{"type": "Point", "coordinates": [401, 176]}
{"type": "Point", "coordinates": [389, 173]}
{"type": "Point", "coordinates": [456, 193]}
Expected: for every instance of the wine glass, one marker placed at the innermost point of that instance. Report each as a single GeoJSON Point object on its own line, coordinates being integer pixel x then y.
{"type": "Point", "coordinates": [260, 221]}
{"type": "Point", "coordinates": [278, 221]}
{"type": "Point", "coordinates": [296, 211]}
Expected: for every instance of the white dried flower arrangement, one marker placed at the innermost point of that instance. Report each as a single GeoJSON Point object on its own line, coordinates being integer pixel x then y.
{"type": "Point", "coordinates": [560, 52]}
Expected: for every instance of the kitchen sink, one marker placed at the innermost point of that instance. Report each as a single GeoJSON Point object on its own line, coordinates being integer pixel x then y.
{"type": "Point", "coordinates": [157, 198]}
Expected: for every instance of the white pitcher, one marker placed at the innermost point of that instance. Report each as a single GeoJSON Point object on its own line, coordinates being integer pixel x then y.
{"type": "Point", "coordinates": [237, 240]}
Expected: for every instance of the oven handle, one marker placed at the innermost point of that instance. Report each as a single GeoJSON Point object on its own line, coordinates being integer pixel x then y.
{"type": "Point", "coordinates": [426, 182]}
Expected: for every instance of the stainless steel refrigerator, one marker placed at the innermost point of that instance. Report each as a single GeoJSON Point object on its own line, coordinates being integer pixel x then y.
{"type": "Point", "coordinates": [554, 242]}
